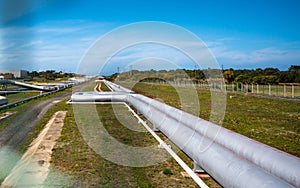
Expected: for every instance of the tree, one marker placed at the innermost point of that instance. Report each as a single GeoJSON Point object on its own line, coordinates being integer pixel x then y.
{"type": "Point", "coordinates": [259, 80]}
{"type": "Point", "coordinates": [266, 79]}
{"type": "Point", "coordinates": [294, 68]}
{"type": "Point", "coordinates": [229, 76]}
{"type": "Point", "coordinates": [271, 71]}
{"type": "Point", "coordinates": [34, 74]}
{"type": "Point", "coordinates": [242, 79]}
{"type": "Point", "coordinates": [286, 77]}
{"type": "Point", "coordinates": [271, 79]}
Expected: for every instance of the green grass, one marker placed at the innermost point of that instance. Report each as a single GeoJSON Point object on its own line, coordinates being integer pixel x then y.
{"type": "Point", "coordinates": [276, 90]}
{"type": "Point", "coordinates": [104, 87]}
{"type": "Point", "coordinates": [19, 96]}
{"type": "Point", "coordinates": [273, 122]}
{"type": "Point", "coordinates": [91, 86]}
{"type": "Point", "coordinates": [82, 166]}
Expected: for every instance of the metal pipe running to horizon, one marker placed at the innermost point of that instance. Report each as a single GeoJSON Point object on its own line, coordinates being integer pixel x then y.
{"type": "Point", "coordinates": [254, 163]}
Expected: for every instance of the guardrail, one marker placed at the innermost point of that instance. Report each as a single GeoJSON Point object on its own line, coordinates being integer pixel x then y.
{"type": "Point", "coordinates": [230, 158]}
{"type": "Point", "coordinates": [27, 99]}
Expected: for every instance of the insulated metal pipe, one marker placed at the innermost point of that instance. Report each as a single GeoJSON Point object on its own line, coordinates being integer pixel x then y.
{"type": "Point", "coordinates": [220, 162]}
{"type": "Point", "coordinates": [272, 160]}
{"type": "Point", "coordinates": [266, 157]}
{"type": "Point", "coordinates": [99, 96]}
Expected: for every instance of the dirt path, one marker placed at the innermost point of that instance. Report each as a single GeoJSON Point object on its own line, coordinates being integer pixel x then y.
{"type": "Point", "coordinates": [33, 168]}
{"type": "Point", "coordinates": [13, 135]}
{"type": "Point", "coordinates": [97, 88]}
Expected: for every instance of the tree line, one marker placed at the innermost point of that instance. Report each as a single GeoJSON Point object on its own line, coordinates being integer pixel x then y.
{"type": "Point", "coordinates": [49, 75]}
{"type": "Point", "coordinates": [263, 76]}
{"type": "Point", "coordinates": [246, 76]}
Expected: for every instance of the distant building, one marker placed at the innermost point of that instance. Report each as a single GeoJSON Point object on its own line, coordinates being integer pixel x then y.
{"type": "Point", "coordinates": [9, 74]}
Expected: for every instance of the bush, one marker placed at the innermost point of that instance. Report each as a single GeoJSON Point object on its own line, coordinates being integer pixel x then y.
{"type": "Point", "coordinates": [167, 172]}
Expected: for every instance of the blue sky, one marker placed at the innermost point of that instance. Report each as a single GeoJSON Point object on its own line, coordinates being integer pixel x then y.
{"type": "Point", "coordinates": [55, 34]}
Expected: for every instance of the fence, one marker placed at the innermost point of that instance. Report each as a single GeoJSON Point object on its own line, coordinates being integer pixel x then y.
{"type": "Point", "coordinates": [285, 90]}
{"type": "Point", "coordinates": [282, 90]}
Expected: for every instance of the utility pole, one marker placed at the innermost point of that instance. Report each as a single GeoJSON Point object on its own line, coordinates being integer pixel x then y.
{"type": "Point", "coordinates": [130, 70]}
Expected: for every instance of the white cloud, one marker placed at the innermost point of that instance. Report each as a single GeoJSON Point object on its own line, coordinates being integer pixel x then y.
{"type": "Point", "coordinates": [60, 30]}
{"type": "Point", "coordinates": [31, 43]}
{"type": "Point", "coordinates": [4, 46]}
{"type": "Point", "coordinates": [258, 56]}
{"type": "Point", "coordinates": [47, 45]}
{"type": "Point", "coordinates": [7, 32]}
{"type": "Point", "coordinates": [239, 53]}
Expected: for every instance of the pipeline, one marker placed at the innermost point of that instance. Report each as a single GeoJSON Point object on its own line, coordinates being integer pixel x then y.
{"type": "Point", "coordinates": [232, 159]}
{"type": "Point", "coordinates": [30, 86]}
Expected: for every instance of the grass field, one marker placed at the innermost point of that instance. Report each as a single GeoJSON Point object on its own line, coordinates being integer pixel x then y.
{"type": "Point", "coordinates": [272, 90]}
{"type": "Point", "coordinates": [91, 87]}
{"type": "Point", "coordinates": [273, 122]}
{"type": "Point", "coordinates": [75, 164]}
{"type": "Point", "coordinates": [21, 95]}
